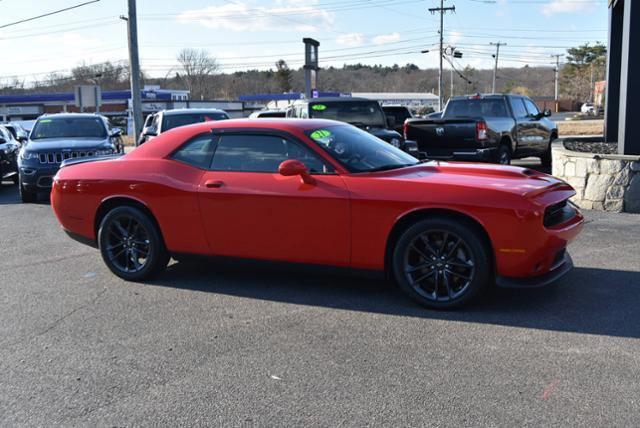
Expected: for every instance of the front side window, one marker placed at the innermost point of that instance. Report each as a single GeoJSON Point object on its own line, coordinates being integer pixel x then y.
{"type": "Point", "coordinates": [69, 127]}
{"type": "Point", "coordinates": [532, 109]}
{"type": "Point", "coordinates": [262, 153]}
{"type": "Point", "coordinates": [170, 121]}
{"type": "Point", "coordinates": [197, 151]}
{"type": "Point", "coordinates": [358, 150]}
{"type": "Point", "coordinates": [519, 110]}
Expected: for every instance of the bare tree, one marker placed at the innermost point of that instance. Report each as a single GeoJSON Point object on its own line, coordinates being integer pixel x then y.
{"type": "Point", "coordinates": [197, 67]}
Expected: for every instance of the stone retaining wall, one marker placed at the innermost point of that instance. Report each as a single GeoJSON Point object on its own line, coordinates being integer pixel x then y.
{"type": "Point", "coordinates": [602, 182]}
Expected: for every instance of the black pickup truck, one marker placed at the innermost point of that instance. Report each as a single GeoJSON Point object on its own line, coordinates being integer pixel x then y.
{"type": "Point", "coordinates": [360, 112]}
{"type": "Point", "coordinates": [489, 128]}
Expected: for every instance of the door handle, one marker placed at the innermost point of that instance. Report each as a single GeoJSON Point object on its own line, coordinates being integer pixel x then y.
{"type": "Point", "coordinates": [214, 184]}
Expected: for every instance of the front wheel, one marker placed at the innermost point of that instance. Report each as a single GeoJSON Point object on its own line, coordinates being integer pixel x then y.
{"type": "Point", "coordinates": [131, 244]}
{"type": "Point", "coordinates": [441, 264]}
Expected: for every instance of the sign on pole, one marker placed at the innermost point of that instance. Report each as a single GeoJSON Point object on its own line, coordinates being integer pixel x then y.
{"type": "Point", "coordinates": [88, 96]}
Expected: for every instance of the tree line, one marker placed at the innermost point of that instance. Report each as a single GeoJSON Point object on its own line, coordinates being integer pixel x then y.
{"type": "Point", "coordinates": [200, 73]}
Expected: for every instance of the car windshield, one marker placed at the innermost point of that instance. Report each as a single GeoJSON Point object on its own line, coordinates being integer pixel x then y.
{"type": "Point", "coordinates": [361, 114]}
{"type": "Point", "coordinates": [359, 151]}
{"type": "Point", "coordinates": [69, 127]}
{"type": "Point", "coordinates": [170, 121]}
{"type": "Point", "coordinates": [492, 107]}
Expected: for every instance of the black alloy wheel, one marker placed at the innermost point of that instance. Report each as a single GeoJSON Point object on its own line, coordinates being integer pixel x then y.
{"type": "Point", "coordinates": [441, 263]}
{"type": "Point", "coordinates": [131, 244]}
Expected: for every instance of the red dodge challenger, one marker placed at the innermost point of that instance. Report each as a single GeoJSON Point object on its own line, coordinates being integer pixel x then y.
{"type": "Point", "coordinates": [321, 193]}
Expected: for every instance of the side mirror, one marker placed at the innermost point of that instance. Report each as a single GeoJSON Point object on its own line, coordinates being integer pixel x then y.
{"type": "Point", "coordinates": [546, 112]}
{"type": "Point", "coordinates": [293, 167]}
{"type": "Point", "coordinates": [391, 121]}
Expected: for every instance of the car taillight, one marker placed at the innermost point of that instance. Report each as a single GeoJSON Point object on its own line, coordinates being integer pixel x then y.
{"type": "Point", "coordinates": [405, 127]}
{"type": "Point", "coordinates": [481, 131]}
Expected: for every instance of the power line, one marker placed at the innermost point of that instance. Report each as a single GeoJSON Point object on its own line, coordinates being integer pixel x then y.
{"type": "Point", "coordinates": [49, 13]}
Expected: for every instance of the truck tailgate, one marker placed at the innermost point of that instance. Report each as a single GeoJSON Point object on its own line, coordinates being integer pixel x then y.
{"type": "Point", "coordinates": [437, 136]}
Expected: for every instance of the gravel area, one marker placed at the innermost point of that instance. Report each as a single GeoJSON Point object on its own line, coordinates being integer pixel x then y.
{"type": "Point", "coordinates": [599, 147]}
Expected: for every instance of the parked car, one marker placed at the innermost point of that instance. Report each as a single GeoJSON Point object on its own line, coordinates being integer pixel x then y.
{"type": "Point", "coordinates": [262, 114]}
{"type": "Point", "coordinates": [399, 115]}
{"type": "Point", "coordinates": [361, 112]}
{"type": "Point", "coordinates": [17, 131]}
{"type": "Point", "coordinates": [9, 148]}
{"type": "Point", "coordinates": [589, 109]}
{"type": "Point", "coordinates": [164, 120]}
{"type": "Point", "coordinates": [55, 138]}
{"type": "Point", "coordinates": [319, 193]}
{"type": "Point", "coordinates": [490, 128]}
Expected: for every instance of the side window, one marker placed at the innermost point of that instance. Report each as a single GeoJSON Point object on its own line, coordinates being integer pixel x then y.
{"type": "Point", "coordinates": [531, 107]}
{"type": "Point", "coordinates": [196, 152]}
{"type": "Point", "coordinates": [156, 122]}
{"type": "Point", "coordinates": [519, 111]}
{"type": "Point", "coordinates": [262, 153]}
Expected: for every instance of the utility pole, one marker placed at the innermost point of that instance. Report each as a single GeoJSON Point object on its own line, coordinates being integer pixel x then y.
{"type": "Point", "coordinates": [556, 75]}
{"type": "Point", "coordinates": [134, 68]}
{"type": "Point", "coordinates": [441, 10]}
{"type": "Point", "coordinates": [495, 68]}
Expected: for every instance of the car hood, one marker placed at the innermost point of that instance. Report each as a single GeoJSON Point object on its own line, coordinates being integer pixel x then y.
{"type": "Point", "coordinates": [384, 134]}
{"type": "Point", "coordinates": [50, 144]}
{"type": "Point", "coordinates": [516, 180]}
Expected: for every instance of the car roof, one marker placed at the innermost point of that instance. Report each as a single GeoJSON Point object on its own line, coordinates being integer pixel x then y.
{"type": "Point", "coordinates": [179, 111]}
{"type": "Point", "coordinates": [69, 115]}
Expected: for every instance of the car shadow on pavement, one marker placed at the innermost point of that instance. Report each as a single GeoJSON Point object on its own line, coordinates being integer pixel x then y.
{"type": "Point", "coordinates": [587, 300]}
{"type": "Point", "coordinates": [10, 195]}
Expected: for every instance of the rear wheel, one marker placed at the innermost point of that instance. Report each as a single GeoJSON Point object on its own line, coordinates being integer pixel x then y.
{"type": "Point", "coordinates": [503, 156]}
{"type": "Point", "coordinates": [27, 196]}
{"type": "Point", "coordinates": [131, 244]}
{"type": "Point", "coordinates": [545, 159]}
{"type": "Point", "coordinates": [441, 264]}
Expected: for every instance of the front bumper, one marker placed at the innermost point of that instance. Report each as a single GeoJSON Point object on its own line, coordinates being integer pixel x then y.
{"type": "Point", "coordinates": [471, 155]}
{"type": "Point", "coordinates": [37, 178]}
{"type": "Point", "coordinates": [564, 266]}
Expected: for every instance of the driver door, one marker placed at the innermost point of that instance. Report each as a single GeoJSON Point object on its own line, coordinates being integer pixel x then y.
{"type": "Point", "coordinates": [251, 211]}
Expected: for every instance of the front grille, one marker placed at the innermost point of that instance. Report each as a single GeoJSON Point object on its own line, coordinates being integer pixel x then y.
{"type": "Point", "coordinates": [558, 213]}
{"type": "Point", "coordinates": [58, 157]}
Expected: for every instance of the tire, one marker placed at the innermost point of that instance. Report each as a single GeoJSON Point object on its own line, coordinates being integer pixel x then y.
{"type": "Point", "coordinates": [126, 232]}
{"type": "Point", "coordinates": [27, 196]}
{"type": "Point", "coordinates": [503, 156]}
{"type": "Point", "coordinates": [545, 159]}
{"type": "Point", "coordinates": [437, 283]}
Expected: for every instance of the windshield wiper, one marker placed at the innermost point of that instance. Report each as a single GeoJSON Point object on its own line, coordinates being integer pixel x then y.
{"type": "Point", "coordinates": [390, 167]}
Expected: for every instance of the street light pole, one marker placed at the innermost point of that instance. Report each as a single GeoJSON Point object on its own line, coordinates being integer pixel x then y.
{"type": "Point", "coordinates": [442, 10]}
{"type": "Point", "coordinates": [495, 68]}
{"type": "Point", "coordinates": [556, 75]}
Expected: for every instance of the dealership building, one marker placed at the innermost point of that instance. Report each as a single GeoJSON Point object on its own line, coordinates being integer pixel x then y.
{"type": "Point", "coordinates": [113, 103]}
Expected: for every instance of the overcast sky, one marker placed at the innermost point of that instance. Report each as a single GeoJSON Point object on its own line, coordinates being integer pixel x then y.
{"type": "Point", "coordinates": [254, 34]}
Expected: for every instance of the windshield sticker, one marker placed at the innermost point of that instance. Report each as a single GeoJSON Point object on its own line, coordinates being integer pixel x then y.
{"type": "Point", "coordinates": [322, 136]}
{"type": "Point", "coordinates": [318, 107]}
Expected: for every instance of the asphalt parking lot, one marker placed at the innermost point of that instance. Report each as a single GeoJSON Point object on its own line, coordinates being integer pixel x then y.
{"type": "Point", "coordinates": [207, 345]}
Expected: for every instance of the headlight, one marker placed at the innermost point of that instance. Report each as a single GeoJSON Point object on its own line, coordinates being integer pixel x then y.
{"type": "Point", "coordinates": [395, 142]}
{"type": "Point", "coordinates": [26, 155]}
